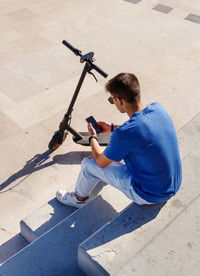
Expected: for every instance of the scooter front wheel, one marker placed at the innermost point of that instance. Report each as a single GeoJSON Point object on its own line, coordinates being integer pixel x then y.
{"type": "Point", "coordinates": [57, 140]}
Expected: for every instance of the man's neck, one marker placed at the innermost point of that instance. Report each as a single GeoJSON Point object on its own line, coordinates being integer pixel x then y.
{"type": "Point", "coordinates": [133, 108]}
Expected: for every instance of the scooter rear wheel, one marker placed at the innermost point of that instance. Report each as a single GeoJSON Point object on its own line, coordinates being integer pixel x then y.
{"type": "Point", "coordinates": [57, 140]}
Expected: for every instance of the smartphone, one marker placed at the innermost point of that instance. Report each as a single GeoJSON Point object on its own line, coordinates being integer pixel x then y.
{"type": "Point", "coordinates": [92, 121]}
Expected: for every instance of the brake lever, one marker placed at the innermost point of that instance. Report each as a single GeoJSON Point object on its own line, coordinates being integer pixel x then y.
{"type": "Point", "coordinates": [89, 71]}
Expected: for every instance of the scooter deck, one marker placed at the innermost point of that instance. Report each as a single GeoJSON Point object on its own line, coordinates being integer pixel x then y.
{"type": "Point", "coordinates": [103, 139]}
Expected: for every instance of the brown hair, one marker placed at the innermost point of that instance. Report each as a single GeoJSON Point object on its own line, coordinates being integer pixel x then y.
{"type": "Point", "coordinates": [124, 85]}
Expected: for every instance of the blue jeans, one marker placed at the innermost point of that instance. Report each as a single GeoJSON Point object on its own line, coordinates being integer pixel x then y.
{"type": "Point", "coordinates": [115, 174]}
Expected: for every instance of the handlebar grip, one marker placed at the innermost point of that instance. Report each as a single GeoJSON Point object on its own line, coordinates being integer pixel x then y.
{"type": "Point", "coordinates": [74, 50]}
{"type": "Point", "coordinates": [99, 70]}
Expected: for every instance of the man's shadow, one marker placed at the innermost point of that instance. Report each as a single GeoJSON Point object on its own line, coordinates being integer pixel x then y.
{"type": "Point", "coordinates": [38, 162]}
{"type": "Point", "coordinates": [132, 218]}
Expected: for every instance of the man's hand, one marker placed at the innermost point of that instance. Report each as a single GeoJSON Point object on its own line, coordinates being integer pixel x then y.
{"type": "Point", "coordinates": [91, 130]}
{"type": "Point", "coordinates": [105, 126]}
{"type": "Point", "coordinates": [97, 151]}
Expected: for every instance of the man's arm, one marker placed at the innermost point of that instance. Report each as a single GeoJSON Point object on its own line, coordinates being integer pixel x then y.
{"type": "Point", "coordinates": [97, 151]}
{"type": "Point", "coordinates": [98, 154]}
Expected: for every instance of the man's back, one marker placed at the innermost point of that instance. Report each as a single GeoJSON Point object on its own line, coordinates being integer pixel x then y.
{"type": "Point", "coordinates": [147, 143]}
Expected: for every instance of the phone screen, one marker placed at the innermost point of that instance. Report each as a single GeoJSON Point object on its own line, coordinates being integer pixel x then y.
{"type": "Point", "coordinates": [92, 120]}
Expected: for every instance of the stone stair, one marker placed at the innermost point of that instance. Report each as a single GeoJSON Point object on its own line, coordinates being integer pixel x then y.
{"type": "Point", "coordinates": [109, 250]}
{"type": "Point", "coordinates": [54, 251]}
{"type": "Point", "coordinates": [43, 219]}
{"type": "Point", "coordinates": [111, 235]}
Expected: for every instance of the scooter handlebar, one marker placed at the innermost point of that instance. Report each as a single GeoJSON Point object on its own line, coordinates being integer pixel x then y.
{"type": "Point", "coordinates": [74, 50]}
{"type": "Point", "coordinates": [78, 53]}
{"type": "Point", "coordinates": [99, 70]}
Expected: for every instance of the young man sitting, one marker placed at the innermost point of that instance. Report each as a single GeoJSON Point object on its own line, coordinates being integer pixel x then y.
{"type": "Point", "coordinates": [147, 143]}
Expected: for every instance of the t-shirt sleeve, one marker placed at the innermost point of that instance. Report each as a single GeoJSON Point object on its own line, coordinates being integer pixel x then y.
{"type": "Point", "coordinates": [117, 148]}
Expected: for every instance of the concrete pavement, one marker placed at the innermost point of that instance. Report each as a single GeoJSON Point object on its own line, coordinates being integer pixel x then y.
{"type": "Point", "coordinates": [38, 77]}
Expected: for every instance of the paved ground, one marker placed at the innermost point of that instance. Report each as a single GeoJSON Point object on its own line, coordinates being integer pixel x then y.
{"type": "Point", "coordinates": [157, 40]}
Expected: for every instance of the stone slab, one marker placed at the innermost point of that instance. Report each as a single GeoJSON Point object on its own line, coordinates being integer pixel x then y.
{"type": "Point", "coordinates": [133, 1]}
{"type": "Point", "coordinates": [130, 219]}
{"type": "Point", "coordinates": [7, 126]}
{"type": "Point", "coordinates": [174, 251]}
{"type": "Point", "coordinates": [43, 219]}
{"type": "Point", "coordinates": [162, 8]}
{"type": "Point", "coordinates": [46, 217]}
{"type": "Point", "coordinates": [182, 5]}
{"type": "Point", "coordinates": [5, 101]}
{"type": "Point", "coordinates": [16, 87]}
{"type": "Point", "coordinates": [110, 249]}
{"type": "Point", "coordinates": [189, 137]}
{"type": "Point", "coordinates": [57, 249]}
{"type": "Point", "coordinates": [9, 36]}
{"type": "Point", "coordinates": [14, 245]}
{"type": "Point", "coordinates": [21, 15]}
{"type": "Point", "coordinates": [193, 18]}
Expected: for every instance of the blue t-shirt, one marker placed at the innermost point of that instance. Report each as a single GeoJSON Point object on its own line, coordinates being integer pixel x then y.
{"type": "Point", "coordinates": [148, 144]}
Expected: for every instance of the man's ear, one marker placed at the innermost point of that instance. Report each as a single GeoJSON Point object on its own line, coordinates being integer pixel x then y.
{"type": "Point", "coordinates": [120, 101]}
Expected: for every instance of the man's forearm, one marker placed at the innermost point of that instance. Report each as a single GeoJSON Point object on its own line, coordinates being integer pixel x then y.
{"type": "Point", "coordinates": [97, 151]}
{"type": "Point", "coordinates": [96, 148]}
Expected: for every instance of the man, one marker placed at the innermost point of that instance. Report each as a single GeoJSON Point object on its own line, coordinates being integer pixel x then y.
{"type": "Point", "coordinates": [147, 143]}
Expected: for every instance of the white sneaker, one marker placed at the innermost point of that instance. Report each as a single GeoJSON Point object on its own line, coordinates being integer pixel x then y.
{"type": "Point", "coordinates": [69, 198]}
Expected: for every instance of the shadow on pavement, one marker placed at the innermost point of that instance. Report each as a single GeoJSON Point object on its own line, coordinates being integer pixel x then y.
{"type": "Point", "coordinates": [60, 212]}
{"type": "Point", "coordinates": [95, 218]}
{"type": "Point", "coordinates": [11, 247]}
{"type": "Point", "coordinates": [31, 166]}
{"type": "Point", "coordinates": [38, 162]}
{"type": "Point", "coordinates": [72, 157]}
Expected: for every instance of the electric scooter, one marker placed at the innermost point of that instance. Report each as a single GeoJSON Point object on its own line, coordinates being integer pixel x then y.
{"type": "Point", "coordinates": [80, 138]}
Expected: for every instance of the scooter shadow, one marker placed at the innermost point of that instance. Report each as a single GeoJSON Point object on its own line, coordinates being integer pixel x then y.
{"type": "Point", "coordinates": [40, 161]}
{"type": "Point", "coordinates": [71, 158]}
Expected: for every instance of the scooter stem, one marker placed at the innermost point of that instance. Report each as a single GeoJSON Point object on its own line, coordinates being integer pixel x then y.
{"type": "Point", "coordinates": [78, 87]}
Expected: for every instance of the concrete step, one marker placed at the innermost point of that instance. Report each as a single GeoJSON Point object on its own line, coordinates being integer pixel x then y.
{"type": "Point", "coordinates": [47, 216]}
{"type": "Point", "coordinates": [189, 137]}
{"type": "Point", "coordinates": [108, 250]}
{"type": "Point", "coordinates": [112, 249]}
{"type": "Point", "coordinates": [43, 219]}
{"type": "Point", "coordinates": [174, 251]}
{"type": "Point", "coordinates": [55, 252]}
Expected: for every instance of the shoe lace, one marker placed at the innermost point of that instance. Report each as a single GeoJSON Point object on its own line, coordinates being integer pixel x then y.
{"type": "Point", "coordinates": [71, 194]}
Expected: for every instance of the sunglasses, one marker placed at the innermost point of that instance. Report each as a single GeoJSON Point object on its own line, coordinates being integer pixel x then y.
{"type": "Point", "coordinates": [111, 99]}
